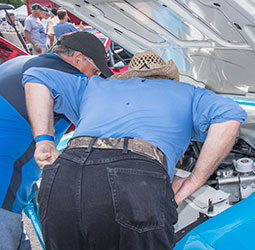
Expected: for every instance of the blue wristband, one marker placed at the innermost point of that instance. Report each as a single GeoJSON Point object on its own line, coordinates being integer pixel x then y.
{"type": "Point", "coordinates": [44, 138]}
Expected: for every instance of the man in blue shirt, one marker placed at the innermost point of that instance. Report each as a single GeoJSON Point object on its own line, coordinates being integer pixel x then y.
{"type": "Point", "coordinates": [111, 189]}
{"type": "Point", "coordinates": [80, 54]}
{"type": "Point", "coordinates": [63, 26]}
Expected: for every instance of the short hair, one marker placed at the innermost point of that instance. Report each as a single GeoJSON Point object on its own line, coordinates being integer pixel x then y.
{"type": "Point", "coordinates": [59, 48]}
{"type": "Point", "coordinates": [54, 11]}
{"type": "Point", "coordinates": [61, 14]}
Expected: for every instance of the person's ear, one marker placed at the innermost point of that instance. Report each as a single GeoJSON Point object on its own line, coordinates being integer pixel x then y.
{"type": "Point", "coordinates": [77, 57]}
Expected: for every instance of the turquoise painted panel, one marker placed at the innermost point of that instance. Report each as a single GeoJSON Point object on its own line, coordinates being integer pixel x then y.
{"type": "Point", "coordinates": [232, 229]}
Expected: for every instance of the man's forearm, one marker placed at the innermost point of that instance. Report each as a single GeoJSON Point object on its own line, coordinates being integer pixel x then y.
{"type": "Point", "coordinates": [28, 37]}
{"type": "Point", "coordinates": [51, 37]}
{"type": "Point", "coordinates": [218, 143]}
{"type": "Point", "coordinates": [40, 109]}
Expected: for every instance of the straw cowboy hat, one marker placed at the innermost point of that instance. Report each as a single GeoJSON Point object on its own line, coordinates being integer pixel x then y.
{"type": "Point", "coordinates": [148, 64]}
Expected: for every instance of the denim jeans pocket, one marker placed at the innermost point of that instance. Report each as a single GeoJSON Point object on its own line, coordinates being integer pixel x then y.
{"type": "Point", "coordinates": [48, 176]}
{"type": "Point", "coordinates": [138, 198]}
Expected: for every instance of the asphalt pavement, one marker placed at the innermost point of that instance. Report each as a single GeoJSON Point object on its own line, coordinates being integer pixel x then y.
{"type": "Point", "coordinates": [35, 243]}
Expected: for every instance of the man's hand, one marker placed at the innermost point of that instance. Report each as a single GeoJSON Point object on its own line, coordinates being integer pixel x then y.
{"type": "Point", "coordinates": [81, 26]}
{"type": "Point", "coordinates": [183, 187]}
{"type": "Point", "coordinates": [38, 49]}
{"type": "Point", "coordinates": [45, 153]}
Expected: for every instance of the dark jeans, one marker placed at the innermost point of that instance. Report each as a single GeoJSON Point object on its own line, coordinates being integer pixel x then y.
{"type": "Point", "coordinates": [106, 200]}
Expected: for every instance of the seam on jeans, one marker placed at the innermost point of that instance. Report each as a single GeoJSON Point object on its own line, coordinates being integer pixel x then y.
{"type": "Point", "coordinates": [71, 156]}
{"type": "Point", "coordinates": [73, 159]}
{"type": "Point", "coordinates": [52, 166]}
{"type": "Point", "coordinates": [138, 172]}
{"type": "Point", "coordinates": [122, 158]}
{"type": "Point", "coordinates": [163, 202]}
{"type": "Point", "coordinates": [114, 191]}
{"type": "Point", "coordinates": [49, 188]}
{"type": "Point", "coordinates": [78, 198]}
{"type": "Point", "coordinates": [78, 195]}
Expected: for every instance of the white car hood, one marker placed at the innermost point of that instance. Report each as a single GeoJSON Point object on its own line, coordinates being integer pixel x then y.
{"type": "Point", "coordinates": [212, 42]}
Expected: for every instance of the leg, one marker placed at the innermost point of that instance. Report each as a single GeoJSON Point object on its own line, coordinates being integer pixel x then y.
{"type": "Point", "coordinates": [11, 230]}
{"type": "Point", "coordinates": [25, 241]}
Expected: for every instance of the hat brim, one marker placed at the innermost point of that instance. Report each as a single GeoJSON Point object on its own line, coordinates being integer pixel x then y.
{"type": "Point", "coordinates": [168, 71]}
{"type": "Point", "coordinates": [103, 67]}
{"type": "Point", "coordinates": [37, 7]}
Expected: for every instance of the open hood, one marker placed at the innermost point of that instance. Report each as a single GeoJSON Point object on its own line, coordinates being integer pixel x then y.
{"type": "Point", "coordinates": [212, 42]}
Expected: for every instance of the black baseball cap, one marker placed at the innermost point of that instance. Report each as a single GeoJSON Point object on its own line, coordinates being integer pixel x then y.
{"type": "Point", "coordinates": [45, 9]}
{"type": "Point", "coordinates": [90, 46]}
{"type": "Point", "coordinates": [36, 6]}
{"type": "Point", "coordinates": [54, 11]}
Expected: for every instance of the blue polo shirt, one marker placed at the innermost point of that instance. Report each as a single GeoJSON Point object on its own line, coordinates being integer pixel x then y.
{"type": "Point", "coordinates": [63, 28]}
{"type": "Point", "coordinates": [163, 112]}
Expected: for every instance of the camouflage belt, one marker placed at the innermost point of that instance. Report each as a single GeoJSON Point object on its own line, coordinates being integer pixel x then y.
{"type": "Point", "coordinates": [135, 145]}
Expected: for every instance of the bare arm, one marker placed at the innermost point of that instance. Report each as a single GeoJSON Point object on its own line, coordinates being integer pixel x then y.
{"type": "Point", "coordinates": [218, 143]}
{"type": "Point", "coordinates": [81, 26]}
{"type": "Point", "coordinates": [52, 38]}
{"type": "Point", "coordinates": [40, 110]}
{"type": "Point", "coordinates": [28, 37]}
{"type": "Point", "coordinates": [50, 33]}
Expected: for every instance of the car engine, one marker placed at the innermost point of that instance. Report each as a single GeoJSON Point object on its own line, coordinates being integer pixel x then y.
{"type": "Point", "coordinates": [232, 181]}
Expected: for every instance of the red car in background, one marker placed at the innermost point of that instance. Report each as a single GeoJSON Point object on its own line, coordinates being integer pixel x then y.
{"type": "Point", "coordinates": [8, 50]}
{"type": "Point", "coordinates": [49, 4]}
{"type": "Point", "coordinates": [118, 58]}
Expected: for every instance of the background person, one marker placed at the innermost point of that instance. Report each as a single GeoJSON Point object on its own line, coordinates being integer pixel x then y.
{"type": "Point", "coordinates": [34, 31]}
{"type": "Point", "coordinates": [45, 20]}
{"type": "Point", "coordinates": [7, 25]}
{"type": "Point", "coordinates": [54, 20]}
{"type": "Point", "coordinates": [129, 136]}
{"type": "Point", "coordinates": [18, 171]}
{"type": "Point", "coordinates": [63, 26]}
{"type": "Point", "coordinates": [13, 31]}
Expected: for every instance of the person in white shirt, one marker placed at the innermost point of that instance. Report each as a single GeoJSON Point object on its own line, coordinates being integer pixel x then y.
{"type": "Point", "coordinates": [45, 17]}
{"type": "Point", "coordinates": [10, 23]}
{"type": "Point", "coordinates": [13, 31]}
{"type": "Point", "coordinates": [50, 31]}
{"type": "Point", "coordinates": [34, 31]}
{"type": "Point", "coordinates": [45, 21]}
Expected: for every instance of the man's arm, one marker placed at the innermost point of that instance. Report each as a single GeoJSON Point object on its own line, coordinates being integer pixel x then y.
{"type": "Point", "coordinates": [50, 33]}
{"type": "Point", "coordinates": [28, 37]}
{"type": "Point", "coordinates": [40, 110]}
{"type": "Point", "coordinates": [21, 29]}
{"type": "Point", "coordinates": [52, 39]}
{"type": "Point", "coordinates": [219, 141]}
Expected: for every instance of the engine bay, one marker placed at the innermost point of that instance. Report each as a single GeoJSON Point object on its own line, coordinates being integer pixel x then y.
{"type": "Point", "coordinates": [232, 181]}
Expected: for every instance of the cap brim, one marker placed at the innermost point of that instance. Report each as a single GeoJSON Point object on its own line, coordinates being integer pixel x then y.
{"type": "Point", "coordinates": [104, 69]}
